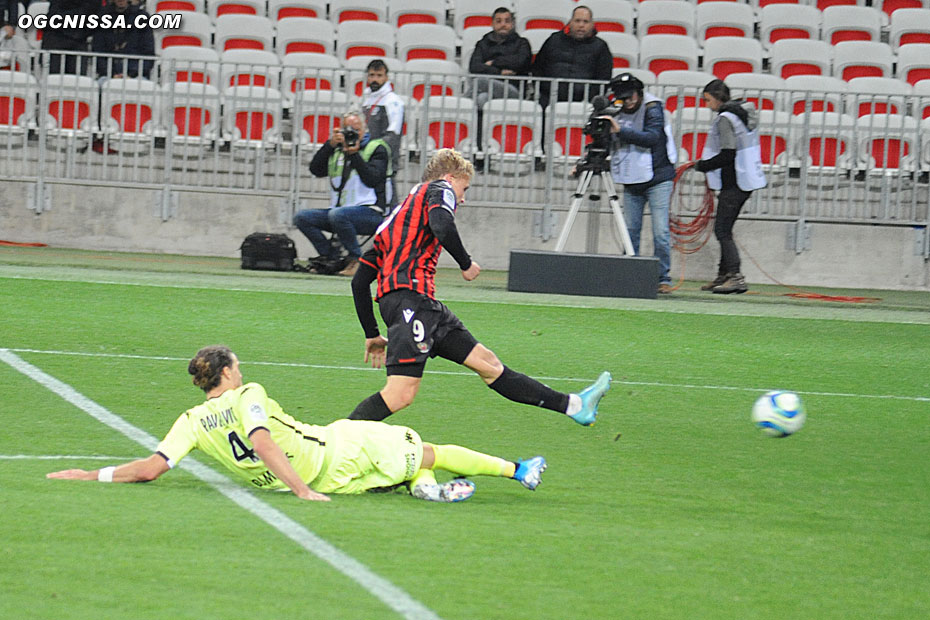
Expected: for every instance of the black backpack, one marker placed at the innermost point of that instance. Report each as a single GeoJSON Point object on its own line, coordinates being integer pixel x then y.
{"type": "Point", "coordinates": [269, 251]}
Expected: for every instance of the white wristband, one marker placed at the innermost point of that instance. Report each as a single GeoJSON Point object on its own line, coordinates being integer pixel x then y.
{"type": "Point", "coordinates": [106, 474]}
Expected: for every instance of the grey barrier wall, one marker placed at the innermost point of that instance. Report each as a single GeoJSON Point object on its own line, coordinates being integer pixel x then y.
{"type": "Point", "coordinates": [844, 165]}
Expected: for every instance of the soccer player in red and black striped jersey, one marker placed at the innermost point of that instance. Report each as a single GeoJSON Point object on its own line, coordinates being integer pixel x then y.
{"type": "Point", "coordinates": [403, 260]}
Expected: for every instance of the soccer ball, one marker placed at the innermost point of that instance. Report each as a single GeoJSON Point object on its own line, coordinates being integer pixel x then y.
{"type": "Point", "coordinates": [779, 413]}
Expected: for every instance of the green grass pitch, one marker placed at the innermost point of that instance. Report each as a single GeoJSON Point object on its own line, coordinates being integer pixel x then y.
{"type": "Point", "coordinates": [671, 506]}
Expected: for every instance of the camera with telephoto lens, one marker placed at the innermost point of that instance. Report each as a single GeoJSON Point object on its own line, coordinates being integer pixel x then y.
{"type": "Point", "coordinates": [350, 135]}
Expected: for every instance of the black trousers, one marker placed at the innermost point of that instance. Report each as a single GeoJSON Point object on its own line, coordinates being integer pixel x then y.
{"type": "Point", "coordinates": [730, 202]}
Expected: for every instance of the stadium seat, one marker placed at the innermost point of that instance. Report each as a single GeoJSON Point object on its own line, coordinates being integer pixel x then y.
{"type": "Point", "coordinates": [241, 67]}
{"type": "Point", "coordinates": [765, 91]}
{"type": "Point", "coordinates": [775, 135]}
{"type": "Point", "coordinates": [542, 14]}
{"type": "Point", "coordinates": [815, 93]}
{"type": "Point", "coordinates": [824, 141]}
{"type": "Point", "coordinates": [624, 48]}
{"type": "Point", "coordinates": [34, 35]}
{"type": "Point", "coordinates": [307, 71]}
{"type": "Point", "coordinates": [450, 123]}
{"type": "Point", "coordinates": [426, 77]}
{"type": "Point", "coordinates": [890, 7]}
{"type": "Point", "coordinates": [474, 14]}
{"type": "Point", "coordinates": [536, 39]}
{"type": "Point", "coordinates": [18, 94]}
{"type": "Point", "coordinates": [304, 35]}
{"type": "Point", "coordinates": [426, 41]}
{"type": "Point", "coordinates": [722, 19]}
{"type": "Point", "coordinates": [186, 63]}
{"type": "Point", "coordinates": [244, 32]}
{"type": "Point", "coordinates": [192, 112]}
{"type": "Point", "coordinates": [800, 57]}
{"type": "Point", "coordinates": [888, 142]}
{"type": "Point", "coordinates": [682, 89]}
{"type": "Point", "coordinates": [196, 30]}
{"type": "Point", "coordinates": [174, 6]}
{"type": "Point", "coordinates": [908, 27]}
{"type": "Point", "coordinates": [850, 23]}
{"type": "Point", "coordinates": [922, 100]}
{"type": "Point", "coordinates": [70, 113]}
{"type": "Point", "coordinates": [316, 113]}
{"type": "Point", "coordinates": [664, 52]}
{"type": "Point", "coordinates": [876, 95]}
{"type": "Point", "coordinates": [403, 12]}
{"type": "Point", "coordinates": [852, 59]}
{"type": "Point", "coordinates": [357, 75]}
{"type": "Point", "coordinates": [761, 5]}
{"type": "Point", "coordinates": [647, 77]}
{"type": "Point", "coordinates": [284, 9]}
{"type": "Point", "coordinates": [669, 17]}
{"type": "Point", "coordinates": [218, 8]}
{"type": "Point", "coordinates": [364, 38]}
{"type": "Point", "coordinates": [691, 126]}
{"type": "Point", "coordinates": [129, 114]}
{"type": "Point", "coordinates": [822, 5]}
{"type": "Point", "coordinates": [252, 116]}
{"type": "Point", "coordinates": [341, 11]}
{"type": "Point", "coordinates": [914, 63]}
{"type": "Point", "coordinates": [568, 119]}
{"type": "Point", "coordinates": [511, 130]}
{"type": "Point", "coordinates": [611, 15]}
{"type": "Point", "coordinates": [788, 21]}
{"type": "Point", "coordinates": [724, 56]}
{"type": "Point", "coordinates": [470, 38]}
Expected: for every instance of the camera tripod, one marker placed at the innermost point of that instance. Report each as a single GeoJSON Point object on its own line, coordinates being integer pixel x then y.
{"type": "Point", "coordinates": [587, 169]}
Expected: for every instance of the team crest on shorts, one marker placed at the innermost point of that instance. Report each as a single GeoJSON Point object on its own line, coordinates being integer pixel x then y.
{"type": "Point", "coordinates": [423, 347]}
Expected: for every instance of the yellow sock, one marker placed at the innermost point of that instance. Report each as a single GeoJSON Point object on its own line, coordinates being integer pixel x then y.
{"type": "Point", "coordinates": [465, 462]}
{"type": "Point", "coordinates": [423, 476]}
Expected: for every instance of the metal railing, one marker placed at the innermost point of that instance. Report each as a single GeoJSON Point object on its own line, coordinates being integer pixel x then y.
{"type": "Point", "coordinates": [252, 127]}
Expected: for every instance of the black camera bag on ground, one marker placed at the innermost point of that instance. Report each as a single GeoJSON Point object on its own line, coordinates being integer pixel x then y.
{"type": "Point", "coordinates": [268, 251]}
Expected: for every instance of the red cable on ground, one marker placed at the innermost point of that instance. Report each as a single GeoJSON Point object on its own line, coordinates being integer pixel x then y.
{"type": "Point", "coordinates": [688, 237]}
{"type": "Point", "coordinates": [15, 244]}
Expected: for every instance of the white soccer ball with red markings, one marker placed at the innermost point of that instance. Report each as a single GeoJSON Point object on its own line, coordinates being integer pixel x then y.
{"type": "Point", "coordinates": [779, 413]}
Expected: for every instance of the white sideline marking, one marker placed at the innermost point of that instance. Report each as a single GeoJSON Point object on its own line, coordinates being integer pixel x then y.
{"type": "Point", "coordinates": [377, 586]}
{"type": "Point", "coordinates": [60, 457]}
{"type": "Point", "coordinates": [689, 386]}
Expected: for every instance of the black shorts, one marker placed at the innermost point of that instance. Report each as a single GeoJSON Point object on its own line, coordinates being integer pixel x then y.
{"type": "Point", "coordinates": [420, 328]}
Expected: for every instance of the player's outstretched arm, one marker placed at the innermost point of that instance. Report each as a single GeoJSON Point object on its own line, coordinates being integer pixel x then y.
{"type": "Point", "coordinates": [142, 470]}
{"type": "Point", "coordinates": [274, 458]}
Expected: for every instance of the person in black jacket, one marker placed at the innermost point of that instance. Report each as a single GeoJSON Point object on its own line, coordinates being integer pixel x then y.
{"type": "Point", "coordinates": [574, 53]}
{"type": "Point", "coordinates": [69, 39]}
{"type": "Point", "coordinates": [129, 41]}
{"type": "Point", "coordinates": [9, 12]}
{"type": "Point", "coordinates": [500, 52]}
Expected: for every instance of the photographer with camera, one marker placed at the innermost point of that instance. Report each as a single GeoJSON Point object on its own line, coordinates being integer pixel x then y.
{"type": "Point", "coordinates": [642, 158]}
{"type": "Point", "coordinates": [358, 168]}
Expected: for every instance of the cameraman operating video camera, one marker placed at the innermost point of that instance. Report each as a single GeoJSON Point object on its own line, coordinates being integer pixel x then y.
{"type": "Point", "coordinates": [642, 158]}
{"type": "Point", "coordinates": [358, 167]}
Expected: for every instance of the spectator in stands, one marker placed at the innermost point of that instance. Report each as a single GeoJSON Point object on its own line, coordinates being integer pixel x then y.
{"type": "Point", "coordinates": [129, 41]}
{"type": "Point", "coordinates": [642, 158]}
{"type": "Point", "coordinates": [9, 13]}
{"type": "Point", "coordinates": [732, 161]}
{"type": "Point", "coordinates": [574, 53]}
{"type": "Point", "coordinates": [500, 52]}
{"type": "Point", "coordinates": [384, 115]}
{"type": "Point", "coordinates": [358, 167]}
{"type": "Point", "coordinates": [68, 39]}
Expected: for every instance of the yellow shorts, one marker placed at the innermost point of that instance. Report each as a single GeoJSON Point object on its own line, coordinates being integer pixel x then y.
{"type": "Point", "coordinates": [362, 455]}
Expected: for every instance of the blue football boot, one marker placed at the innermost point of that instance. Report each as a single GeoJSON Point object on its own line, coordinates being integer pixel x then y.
{"type": "Point", "coordinates": [529, 472]}
{"type": "Point", "coordinates": [590, 397]}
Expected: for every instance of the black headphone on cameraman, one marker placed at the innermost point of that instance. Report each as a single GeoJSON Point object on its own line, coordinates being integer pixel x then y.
{"type": "Point", "coordinates": [624, 84]}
